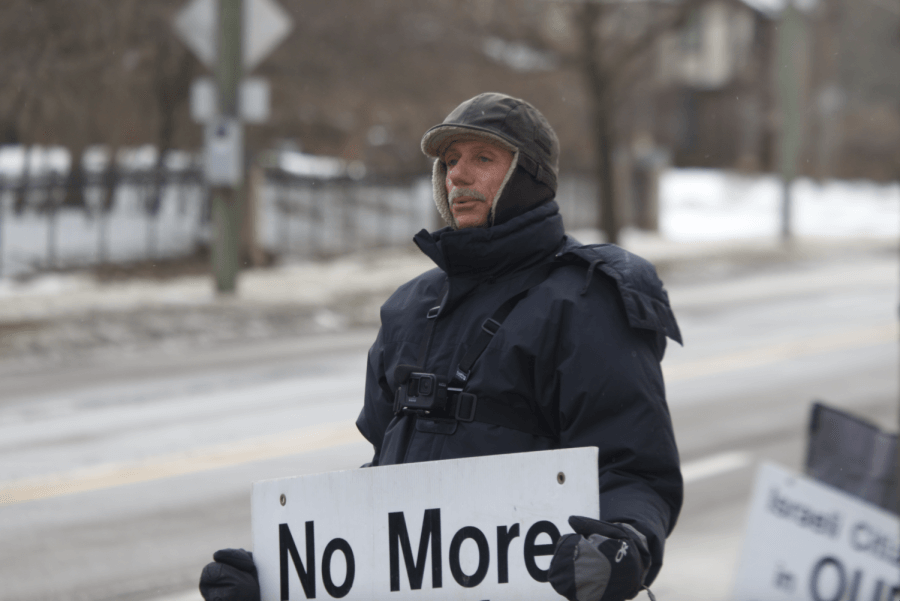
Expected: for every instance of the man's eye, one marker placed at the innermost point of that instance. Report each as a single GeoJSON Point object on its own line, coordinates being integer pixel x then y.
{"type": "Point", "coordinates": [484, 159]}
{"type": "Point", "coordinates": [451, 162]}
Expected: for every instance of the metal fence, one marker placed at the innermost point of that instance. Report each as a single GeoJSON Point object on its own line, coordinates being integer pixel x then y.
{"type": "Point", "coordinates": [309, 217]}
{"type": "Point", "coordinates": [56, 222]}
{"type": "Point", "coordinates": [125, 211]}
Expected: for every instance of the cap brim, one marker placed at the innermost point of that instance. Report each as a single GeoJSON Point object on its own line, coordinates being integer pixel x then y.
{"type": "Point", "coordinates": [437, 139]}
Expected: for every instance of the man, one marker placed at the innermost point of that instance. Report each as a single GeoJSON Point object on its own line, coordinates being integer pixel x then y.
{"type": "Point", "coordinates": [542, 344]}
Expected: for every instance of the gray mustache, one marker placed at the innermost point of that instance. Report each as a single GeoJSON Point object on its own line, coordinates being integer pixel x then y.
{"type": "Point", "coordinates": [469, 192]}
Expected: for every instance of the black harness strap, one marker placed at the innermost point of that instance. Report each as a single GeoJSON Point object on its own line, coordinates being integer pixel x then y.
{"type": "Point", "coordinates": [403, 372]}
{"type": "Point", "coordinates": [492, 324]}
{"type": "Point", "coordinates": [431, 317]}
{"type": "Point", "coordinates": [521, 416]}
{"type": "Point", "coordinates": [468, 407]}
{"type": "Point", "coordinates": [465, 406]}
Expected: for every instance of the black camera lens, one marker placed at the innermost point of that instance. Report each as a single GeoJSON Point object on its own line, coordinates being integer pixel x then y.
{"type": "Point", "coordinates": [425, 386]}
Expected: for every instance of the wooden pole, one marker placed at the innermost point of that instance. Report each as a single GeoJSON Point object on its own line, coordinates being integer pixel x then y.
{"type": "Point", "coordinates": [227, 199]}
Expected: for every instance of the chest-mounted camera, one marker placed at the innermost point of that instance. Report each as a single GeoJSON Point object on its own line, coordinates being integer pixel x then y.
{"type": "Point", "coordinates": [421, 392]}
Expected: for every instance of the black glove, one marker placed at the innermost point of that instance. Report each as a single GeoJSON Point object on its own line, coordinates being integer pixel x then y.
{"type": "Point", "coordinates": [231, 577]}
{"type": "Point", "coordinates": [602, 562]}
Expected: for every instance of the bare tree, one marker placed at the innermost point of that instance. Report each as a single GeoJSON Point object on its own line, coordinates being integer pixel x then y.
{"type": "Point", "coordinates": [605, 55]}
{"type": "Point", "coordinates": [611, 52]}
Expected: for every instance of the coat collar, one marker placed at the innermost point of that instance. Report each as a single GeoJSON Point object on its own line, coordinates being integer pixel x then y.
{"type": "Point", "coordinates": [489, 253]}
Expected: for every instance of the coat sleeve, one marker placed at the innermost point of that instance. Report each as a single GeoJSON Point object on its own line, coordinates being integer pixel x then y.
{"type": "Point", "coordinates": [609, 387]}
{"type": "Point", "coordinates": [377, 411]}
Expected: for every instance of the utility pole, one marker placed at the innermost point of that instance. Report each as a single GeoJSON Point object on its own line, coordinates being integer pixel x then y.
{"type": "Point", "coordinates": [227, 131]}
{"type": "Point", "coordinates": [791, 59]}
{"type": "Point", "coordinates": [230, 37]}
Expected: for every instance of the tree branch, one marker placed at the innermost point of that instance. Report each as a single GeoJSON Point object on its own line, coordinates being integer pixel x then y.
{"type": "Point", "coordinates": [639, 46]}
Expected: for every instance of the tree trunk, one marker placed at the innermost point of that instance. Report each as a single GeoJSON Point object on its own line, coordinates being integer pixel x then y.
{"type": "Point", "coordinates": [597, 83]}
{"type": "Point", "coordinates": [74, 183]}
{"type": "Point", "coordinates": [172, 83]}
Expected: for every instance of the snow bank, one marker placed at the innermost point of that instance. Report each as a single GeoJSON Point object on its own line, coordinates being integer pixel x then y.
{"type": "Point", "coordinates": [703, 204]}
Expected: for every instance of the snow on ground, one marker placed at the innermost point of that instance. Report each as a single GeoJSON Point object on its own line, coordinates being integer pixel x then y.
{"type": "Point", "coordinates": [303, 284]}
{"type": "Point", "coordinates": [700, 205]}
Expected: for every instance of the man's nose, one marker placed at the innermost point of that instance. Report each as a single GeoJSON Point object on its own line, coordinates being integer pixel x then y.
{"type": "Point", "coordinates": [460, 174]}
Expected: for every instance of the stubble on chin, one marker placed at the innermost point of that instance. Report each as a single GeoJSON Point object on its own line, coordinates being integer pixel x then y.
{"type": "Point", "coordinates": [468, 216]}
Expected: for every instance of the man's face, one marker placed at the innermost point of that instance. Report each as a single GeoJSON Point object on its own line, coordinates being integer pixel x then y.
{"type": "Point", "coordinates": [475, 172]}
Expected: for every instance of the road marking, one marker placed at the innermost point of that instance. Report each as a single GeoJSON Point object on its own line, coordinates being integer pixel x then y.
{"type": "Point", "coordinates": [793, 349]}
{"type": "Point", "coordinates": [714, 465]}
{"type": "Point", "coordinates": [178, 464]}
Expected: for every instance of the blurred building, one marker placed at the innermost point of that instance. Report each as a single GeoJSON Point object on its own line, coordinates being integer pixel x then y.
{"type": "Point", "coordinates": [716, 88]}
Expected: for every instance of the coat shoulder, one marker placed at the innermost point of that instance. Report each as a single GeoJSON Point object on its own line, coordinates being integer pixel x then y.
{"type": "Point", "coordinates": [643, 295]}
{"type": "Point", "coordinates": [415, 290]}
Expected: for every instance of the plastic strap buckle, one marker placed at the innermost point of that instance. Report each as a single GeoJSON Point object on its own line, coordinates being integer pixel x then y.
{"type": "Point", "coordinates": [433, 312]}
{"type": "Point", "coordinates": [491, 326]}
{"type": "Point", "coordinates": [465, 406]}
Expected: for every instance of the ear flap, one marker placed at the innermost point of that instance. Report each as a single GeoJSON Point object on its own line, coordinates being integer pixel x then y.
{"type": "Point", "coordinates": [499, 195]}
{"type": "Point", "coordinates": [438, 183]}
{"type": "Point", "coordinates": [521, 194]}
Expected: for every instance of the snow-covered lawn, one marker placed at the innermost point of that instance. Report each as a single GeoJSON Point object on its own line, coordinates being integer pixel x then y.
{"type": "Point", "coordinates": [701, 204]}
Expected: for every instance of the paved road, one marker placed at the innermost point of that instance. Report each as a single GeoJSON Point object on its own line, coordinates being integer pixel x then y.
{"type": "Point", "coordinates": [120, 475]}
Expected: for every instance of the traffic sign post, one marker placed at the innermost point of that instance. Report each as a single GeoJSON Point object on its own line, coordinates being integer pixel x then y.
{"type": "Point", "coordinates": [225, 151]}
{"type": "Point", "coordinates": [229, 37]}
{"type": "Point", "coordinates": [265, 25]}
{"type": "Point", "coordinates": [253, 100]}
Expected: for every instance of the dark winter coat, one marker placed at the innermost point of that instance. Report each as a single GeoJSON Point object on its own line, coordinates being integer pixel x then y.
{"type": "Point", "coordinates": [580, 354]}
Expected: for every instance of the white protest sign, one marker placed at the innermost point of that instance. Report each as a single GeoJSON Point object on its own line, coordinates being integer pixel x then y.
{"type": "Point", "coordinates": [806, 541]}
{"type": "Point", "coordinates": [464, 529]}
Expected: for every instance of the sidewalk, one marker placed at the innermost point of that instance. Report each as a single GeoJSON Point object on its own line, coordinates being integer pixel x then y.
{"type": "Point", "coordinates": [54, 315]}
